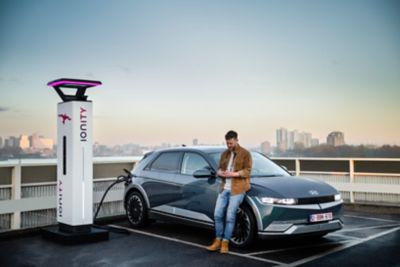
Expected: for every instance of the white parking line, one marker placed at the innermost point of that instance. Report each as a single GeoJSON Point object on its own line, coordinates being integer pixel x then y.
{"type": "Point", "coordinates": [368, 227]}
{"type": "Point", "coordinates": [193, 244]}
{"type": "Point", "coordinates": [298, 247]}
{"type": "Point", "coordinates": [370, 218]}
{"type": "Point", "coordinates": [350, 244]}
{"type": "Point", "coordinates": [344, 244]}
{"type": "Point", "coordinates": [345, 236]}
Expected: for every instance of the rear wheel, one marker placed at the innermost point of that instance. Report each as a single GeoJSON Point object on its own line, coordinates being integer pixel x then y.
{"type": "Point", "coordinates": [245, 228]}
{"type": "Point", "coordinates": [136, 210]}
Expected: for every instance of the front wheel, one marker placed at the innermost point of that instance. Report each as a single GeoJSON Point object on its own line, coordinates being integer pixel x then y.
{"type": "Point", "coordinates": [245, 228]}
{"type": "Point", "coordinates": [136, 210]}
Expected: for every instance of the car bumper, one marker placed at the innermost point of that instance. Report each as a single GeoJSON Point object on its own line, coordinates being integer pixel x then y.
{"type": "Point", "coordinates": [293, 220]}
{"type": "Point", "coordinates": [283, 230]}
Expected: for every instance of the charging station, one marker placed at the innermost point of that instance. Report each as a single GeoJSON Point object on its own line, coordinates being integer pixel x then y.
{"type": "Point", "coordinates": [74, 191]}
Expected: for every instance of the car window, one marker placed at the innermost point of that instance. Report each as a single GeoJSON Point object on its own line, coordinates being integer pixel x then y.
{"type": "Point", "coordinates": [193, 162]}
{"type": "Point", "coordinates": [166, 162]}
{"type": "Point", "coordinates": [262, 166]}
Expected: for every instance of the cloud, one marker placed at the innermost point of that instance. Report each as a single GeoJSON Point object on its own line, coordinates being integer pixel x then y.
{"type": "Point", "coordinates": [4, 109]}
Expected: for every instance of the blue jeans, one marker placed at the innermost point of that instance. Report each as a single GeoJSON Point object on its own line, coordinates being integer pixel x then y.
{"type": "Point", "coordinates": [226, 208]}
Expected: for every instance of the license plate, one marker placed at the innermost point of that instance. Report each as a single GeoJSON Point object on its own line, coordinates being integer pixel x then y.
{"type": "Point", "coordinates": [321, 217]}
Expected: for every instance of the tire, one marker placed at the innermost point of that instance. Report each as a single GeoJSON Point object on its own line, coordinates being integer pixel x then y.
{"type": "Point", "coordinates": [245, 230]}
{"type": "Point", "coordinates": [136, 210]}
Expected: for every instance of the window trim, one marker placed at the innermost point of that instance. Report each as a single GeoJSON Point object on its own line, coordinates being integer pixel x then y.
{"type": "Point", "coordinates": [193, 152]}
{"type": "Point", "coordinates": [177, 171]}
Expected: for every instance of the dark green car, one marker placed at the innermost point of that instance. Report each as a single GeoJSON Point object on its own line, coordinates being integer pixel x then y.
{"type": "Point", "coordinates": [180, 184]}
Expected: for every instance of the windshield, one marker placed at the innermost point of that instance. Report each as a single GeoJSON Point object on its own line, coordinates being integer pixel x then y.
{"type": "Point", "coordinates": [262, 166]}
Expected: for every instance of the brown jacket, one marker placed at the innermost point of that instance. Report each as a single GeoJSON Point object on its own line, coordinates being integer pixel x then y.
{"type": "Point", "coordinates": [242, 164]}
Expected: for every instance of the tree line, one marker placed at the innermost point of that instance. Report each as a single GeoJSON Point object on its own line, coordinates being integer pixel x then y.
{"type": "Point", "coordinates": [385, 151]}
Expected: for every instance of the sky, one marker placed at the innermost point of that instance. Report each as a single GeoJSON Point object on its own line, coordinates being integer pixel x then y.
{"type": "Point", "coordinates": [177, 70]}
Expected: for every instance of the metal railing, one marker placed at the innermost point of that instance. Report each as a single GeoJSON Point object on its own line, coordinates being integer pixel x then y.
{"type": "Point", "coordinates": [28, 190]}
{"type": "Point", "coordinates": [28, 187]}
{"type": "Point", "coordinates": [360, 180]}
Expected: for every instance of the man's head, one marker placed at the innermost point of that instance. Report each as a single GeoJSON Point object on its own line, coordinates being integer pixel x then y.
{"type": "Point", "coordinates": [231, 138]}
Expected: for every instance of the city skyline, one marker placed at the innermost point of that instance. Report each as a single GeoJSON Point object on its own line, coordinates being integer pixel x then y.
{"type": "Point", "coordinates": [292, 137]}
{"type": "Point", "coordinates": [177, 70]}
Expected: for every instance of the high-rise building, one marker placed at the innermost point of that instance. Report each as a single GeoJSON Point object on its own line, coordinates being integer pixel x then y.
{"type": "Point", "coordinates": [24, 142]}
{"type": "Point", "coordinates": [39, 142]}
{"type": "Point", "coordinates": [335, 139]}
{"type": "Point", "coordinates": [282, 139]}
{"type": "Point", "coordinates": [303, 138]}
{"type": "Point", "coordinates": [307, 137]}
{"type": "Point", "coordinates": [12, 142]}
{"type": "Point", "coordinates": [266, 148]}
{"type": "Point", "coordinates": [314, 142]}
{"type": "Point", "coordinates": [1, 142]}
{"type": "Point", "coordinates": [195, 141]}
{"type": "Point", "coordinates": [293, 138]}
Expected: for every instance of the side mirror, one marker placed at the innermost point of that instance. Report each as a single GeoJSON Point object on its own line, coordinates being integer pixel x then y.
{"type": "Point", "coordinates": [204, 173]}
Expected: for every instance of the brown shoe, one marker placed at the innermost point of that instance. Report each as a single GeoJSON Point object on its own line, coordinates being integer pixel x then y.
{"type": "Point", "coordinates": [224, 247]}
{"type": "Point", "coordinates": [215, 245]}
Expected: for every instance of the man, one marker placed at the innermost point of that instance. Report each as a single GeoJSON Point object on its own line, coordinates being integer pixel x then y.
{"type": "Point", "coordinates": [234, 169]}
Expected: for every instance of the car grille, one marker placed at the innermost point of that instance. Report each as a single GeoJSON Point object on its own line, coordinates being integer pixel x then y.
{"type": "Point", "coordinates": [315, 200]}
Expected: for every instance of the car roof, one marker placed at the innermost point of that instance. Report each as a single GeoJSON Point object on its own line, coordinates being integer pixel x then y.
{"type": "Point", "coordinates": [205, 149]}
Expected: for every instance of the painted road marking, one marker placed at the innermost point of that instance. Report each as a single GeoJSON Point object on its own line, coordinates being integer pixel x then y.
{"type": "Point", "coordinates": [351, 244]}
{"type": "Point", "coordinates": [193, 244]}
{"type": "Point", "coordinates": [345, 236]}
{"type": "Point", "coordinates": [344, 244]}
{"type": "Point", "coordinates": [368, 227]}
{"type": "Point", "coordinates": [298, 247]}
{"type": "Point", "coordinates": [370, 218]}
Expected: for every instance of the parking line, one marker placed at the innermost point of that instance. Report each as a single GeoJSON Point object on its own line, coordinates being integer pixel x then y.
{"type": "Point", "coordinates": [349, 245]}
{"type": "Point", "coordinates": [346, 236]}
{"type": "Point", "coordinates": [193, 244]}
{"type": "Point", "coordinates": [368, 227]}
{"type": "Point", "coordinates": [370, 218]}
{"type": "Point", "coordinates": [298, 247]}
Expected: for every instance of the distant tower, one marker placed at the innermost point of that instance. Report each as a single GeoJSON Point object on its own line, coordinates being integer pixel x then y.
{"type": "Point", "coordinates": [293, 138]}
{"type": "Point", "coordinates": [307, 139]}
{"type": "Point", "coordinates": [24, 142]}
{"type": "Point", "coordinates": [314, 142]}
{"type": "Point", "coordinates": [195, 142]}
{"type": "Point", "coordinates": [282, 139]}
{"type": "Point", "coordinates": [335, 139]}
{"type": "Point", "coordinates": [266, 148]}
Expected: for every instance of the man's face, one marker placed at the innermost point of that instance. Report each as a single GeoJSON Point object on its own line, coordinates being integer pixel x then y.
{"type": "Point", "coordinates": [231, 143]}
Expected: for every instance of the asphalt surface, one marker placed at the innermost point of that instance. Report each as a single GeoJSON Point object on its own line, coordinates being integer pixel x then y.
{"type": "Point", "coordinates": [366, 240]}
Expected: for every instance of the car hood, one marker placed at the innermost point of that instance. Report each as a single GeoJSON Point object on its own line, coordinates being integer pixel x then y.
{"type": "Point", "coordinates": [292, 187]}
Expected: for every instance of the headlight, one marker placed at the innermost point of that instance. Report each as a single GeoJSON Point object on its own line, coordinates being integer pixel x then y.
{"type": "Point", "coordinates": [283, 201]}
{"type": "Point", "coordinates": [338, 197]}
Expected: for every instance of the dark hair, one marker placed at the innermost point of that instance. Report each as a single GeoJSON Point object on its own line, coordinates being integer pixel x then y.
{"type": "Point", "coordinates": [230, 135]}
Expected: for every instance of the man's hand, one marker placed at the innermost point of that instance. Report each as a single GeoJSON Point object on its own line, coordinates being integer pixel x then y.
{"type": "Point", "coordinates": [221, 173]}
{"type": "Point", "coordinates": [227, 174]}
{"type": "Point", "coordinates": [232, 174]}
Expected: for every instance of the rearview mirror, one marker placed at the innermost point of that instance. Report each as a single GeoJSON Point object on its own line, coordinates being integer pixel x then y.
{"type": "Point", "coordinates": [204, 173]}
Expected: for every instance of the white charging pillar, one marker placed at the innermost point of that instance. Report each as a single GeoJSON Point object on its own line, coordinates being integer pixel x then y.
{"type": "Point", "coordinates": [74, 164]}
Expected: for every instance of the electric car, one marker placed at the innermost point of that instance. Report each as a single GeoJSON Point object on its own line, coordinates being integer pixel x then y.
{"type": "Point", "coordinates": [181, 185]}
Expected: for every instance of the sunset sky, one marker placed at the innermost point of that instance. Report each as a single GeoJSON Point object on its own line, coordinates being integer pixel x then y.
{"type": "Point", "coordinates": [177, 70]}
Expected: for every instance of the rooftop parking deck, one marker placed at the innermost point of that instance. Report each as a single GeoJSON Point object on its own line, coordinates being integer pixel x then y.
{"type": "Point", "coordinates": [365, 239]}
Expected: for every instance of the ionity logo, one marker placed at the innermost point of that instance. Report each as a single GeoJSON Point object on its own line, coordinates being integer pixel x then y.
{"type": "Point", "coordinates": [64, 117]}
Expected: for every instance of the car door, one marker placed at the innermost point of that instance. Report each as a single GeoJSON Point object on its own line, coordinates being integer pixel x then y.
{"type": "Point", "coordinates": [199, 195]}
{"type": "Point", "coordinates": [160, 179]}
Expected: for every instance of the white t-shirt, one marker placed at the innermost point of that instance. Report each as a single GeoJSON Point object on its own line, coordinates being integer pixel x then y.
{"type": "Point", "coordinates": [228, 181]}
